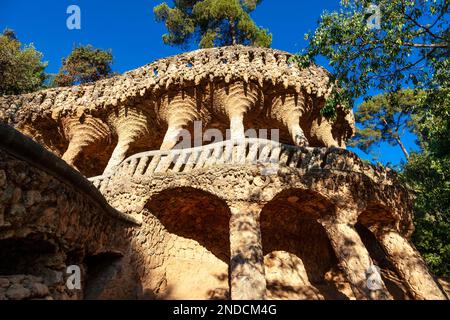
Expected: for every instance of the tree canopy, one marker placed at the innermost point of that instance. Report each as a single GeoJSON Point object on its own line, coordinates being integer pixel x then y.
{"type": "Point", "coordinates": [413, 39]}
{"type": "Point", "coordinates": [84, 64]}
{"type": "Point", "coordinates": [211, 23]}
{"type": "Point", "coordinates": [21, 67]}
{"type": "Point", "coordinates": [428, 174]}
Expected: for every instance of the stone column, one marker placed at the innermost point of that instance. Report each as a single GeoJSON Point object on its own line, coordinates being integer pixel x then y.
{"type": "Point", "coordinates": [82, 135]}
{"type": "Point", "coordinates": [297, 134]}
{"type": "Point", "coordinates": [289, 108]}
{"type": "Point", "coordinates": [74, 149]}
{"type": "Point", "coordinates": [178, 109]}
{"type": "Point", "coordinates": [119, 154]}
{"type": "Point", "coordinates": [131, 124]}
{"type": "Point", "coordinates": [409, 264]}
{"type": "Point", "coordinates": [247, 277]}
{"type": "Point", "coordinates": [171, 137]}
{"type": "Point", "coordinates": [353, 258]}
{"type": "Point", "coordinates": [237, 126]}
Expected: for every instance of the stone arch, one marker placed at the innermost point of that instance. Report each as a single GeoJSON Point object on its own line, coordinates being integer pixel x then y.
{"type": "Point", "coordinates": [376, 214]}
{"type": "Point", "coordinates": [403, 261]}
{"type": "Point", "coordinates": [189, 212]}
{"type": "Point", "coordinates": [190, 234]}
{"type": "Point", "coordinates": [299, 260]}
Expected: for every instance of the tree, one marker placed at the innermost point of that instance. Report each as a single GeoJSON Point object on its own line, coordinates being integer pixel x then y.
{"type": "Point", "coordinates": [409, 50]}
{"type": "Point", "coordinates": [21, 68]}
{"type": "Point", "coordinates": [385, 118]}
{"type": "Point", "coordinates": [428, 176]}
{"type": "Point", "coordinates": [428, 173]}
{"type": "Point", "coordinates": [211, 23]}
{"type": "Point", "coordinates": [84, 64]}
{"type": "Point", "coordinates": [413, 37]}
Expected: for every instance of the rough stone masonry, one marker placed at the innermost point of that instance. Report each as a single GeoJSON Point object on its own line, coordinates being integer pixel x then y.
{"type": "Point", "coordinates": [89, 177]}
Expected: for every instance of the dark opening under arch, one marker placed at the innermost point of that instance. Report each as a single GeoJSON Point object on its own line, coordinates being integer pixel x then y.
{"type": "Point", "coordinates": [195, 214]}
{"type": "Point", "coordinates": [192, 230]}
{"type": "Point", "coordinates": [376, 214]}
{"type": "Point", "coordinates": [296, 247]}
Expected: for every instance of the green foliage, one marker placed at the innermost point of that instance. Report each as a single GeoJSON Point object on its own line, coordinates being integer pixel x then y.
{"type": "Point", "coordinates": [428, 174]}
{"type": "Point", "coordinates": [413, 38]}
{"type": "Point", "coordinates": [211, 23]}
{"type": "Point", "coordinates": [408, 60]}
{"type": "Point", "coordinates": [385, 118]}
{"type": "Point", "coordinates": [84, 64]}
{"type": "Point", "coordinates": [21, 68]}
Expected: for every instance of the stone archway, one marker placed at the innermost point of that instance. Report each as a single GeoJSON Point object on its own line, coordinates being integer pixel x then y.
{"type": "Point", "coordinates": [377, 215]}
{"type": "Point", "coordinates": [187, 249]}
{"type": "Point", "coordinates": [403, 269]}
{"type": "Point", "coordinates": [299, 260]}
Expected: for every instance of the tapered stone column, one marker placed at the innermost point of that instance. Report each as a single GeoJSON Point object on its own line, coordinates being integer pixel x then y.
{"type": "Point", "coordinates": [288, 109]}
{"type": "Point", "coordinates": [297, 134]}
{"type": "Point", "coordinates": [178, 109]}
{"type": "Point", "coordinates": [171, 137]}
{"type": "Point", "coordinates": [131, 125]}
{"type": "Point", "coordinates": [81, 135]}
{"type": "Point", "coordinates": [74, 149]}
{"type": "Point", "coordinates": [353, 258]}
{"type": "Point", "coordinates": [247, 277]}
{"type": "Point", "coordinates": [119, 154]}
{"type": "Point", "coordinates": [237, 126]}
{"type": "Point", "coordinates": [235, 100]}
{"type": "Point", "coordinates": [409, 264]}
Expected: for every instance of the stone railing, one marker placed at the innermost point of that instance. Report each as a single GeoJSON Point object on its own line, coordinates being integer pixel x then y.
{"type": "Point", "coordinates": [261, 152]}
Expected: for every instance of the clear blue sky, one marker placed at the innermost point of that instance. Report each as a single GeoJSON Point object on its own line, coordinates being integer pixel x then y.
{"type": "Point", "coordinates": [129, 29]}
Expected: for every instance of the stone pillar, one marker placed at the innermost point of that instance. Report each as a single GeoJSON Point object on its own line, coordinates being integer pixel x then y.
{"type": "Point", "coordinates": [297, 134]}
{"type": "Point", "coordinates": [83, 134]}
{"type": "Point", "coordinates": [247, 277]}
{"type": "Point", "coordinates": [409, 264]}
{"type": "Point", "coordinates": [74, 149]}
{"type": "Point", "coordinates": [289, 108]}
{"type": "Point", "coordinates": [131, 124]}
{"type": "Point", "coordinates": [353, 258]}
{"type": "Point", "coordinates": [237, 126]}
{"type": "Point", "coordinates": [118, 155]}
{"type": "Point", "coordinates": [178, 109]}
{"type": "Point", "coordinates": [171, 137]}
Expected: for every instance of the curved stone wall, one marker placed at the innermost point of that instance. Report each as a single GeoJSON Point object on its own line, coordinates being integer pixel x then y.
{"type": "Point", "coordinates": [50, 217]}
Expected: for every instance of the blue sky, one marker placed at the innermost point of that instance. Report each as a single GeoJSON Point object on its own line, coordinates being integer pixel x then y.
{"type": "Point", "coordinates": [129, 29]}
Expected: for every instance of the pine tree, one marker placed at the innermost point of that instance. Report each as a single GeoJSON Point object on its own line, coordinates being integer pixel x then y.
{"type": "Point", "coordinates": [211, 23]}
{"type": "Point", "coordinates": [386, 118]}
{"type": "Point", "coordinates": [84, 64]}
